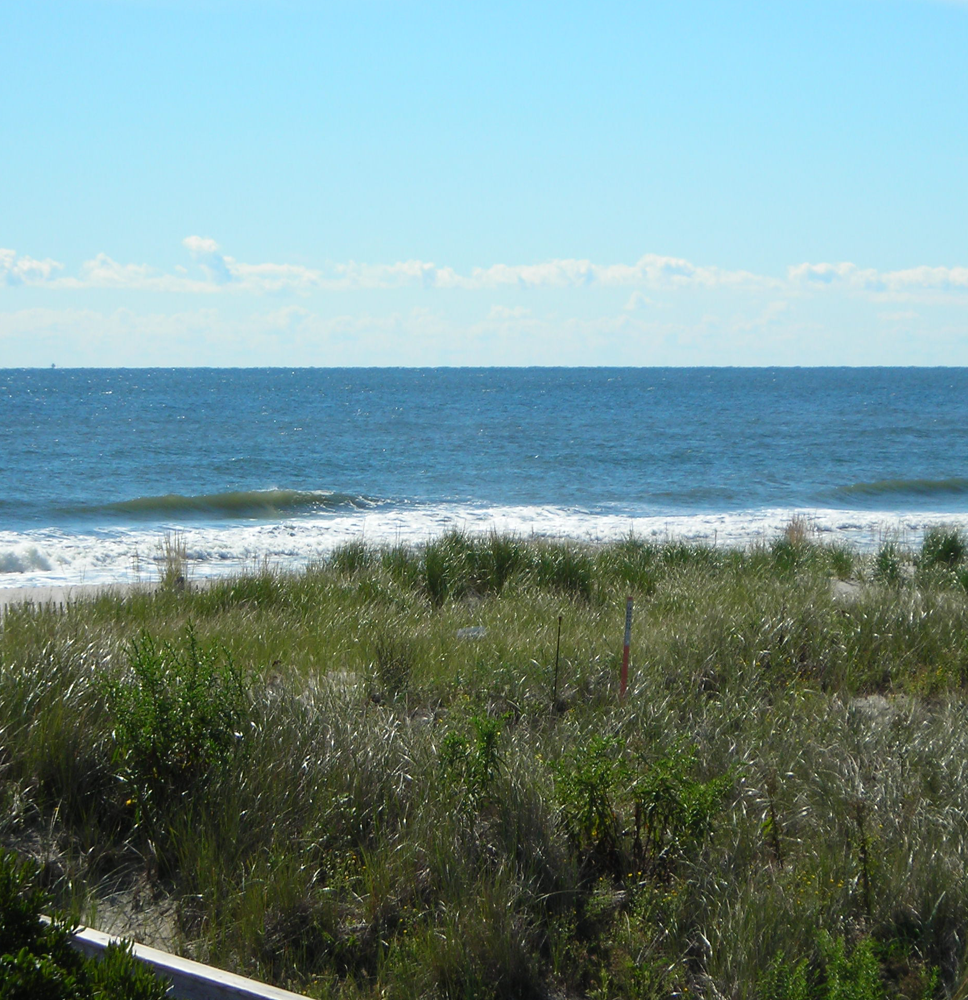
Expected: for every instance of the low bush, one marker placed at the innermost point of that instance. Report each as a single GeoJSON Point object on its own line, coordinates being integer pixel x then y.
{"type": "Point", "coordinates": [37, 961]}
{"type": "Point", "coordinates": [179, 714]}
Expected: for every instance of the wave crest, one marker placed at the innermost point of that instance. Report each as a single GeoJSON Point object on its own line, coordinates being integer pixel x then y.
{"type": "Point", "coordinates": [955, 486]}
{"type": "Point", "coordinates": [236, 504]}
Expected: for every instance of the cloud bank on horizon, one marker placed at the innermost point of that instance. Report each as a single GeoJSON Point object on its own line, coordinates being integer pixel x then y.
{"type": "Point", "coordinates": [220, 273]}
{"type": "Point", "coordinates": [655, 310]}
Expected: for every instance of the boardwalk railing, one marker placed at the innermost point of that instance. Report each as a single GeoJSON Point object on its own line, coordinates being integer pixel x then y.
{"type": "Point", "coordinates": [189, 980]}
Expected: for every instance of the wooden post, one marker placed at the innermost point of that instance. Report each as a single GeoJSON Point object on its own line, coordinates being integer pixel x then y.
{"type": "Point", "coordinates": [624, 685]}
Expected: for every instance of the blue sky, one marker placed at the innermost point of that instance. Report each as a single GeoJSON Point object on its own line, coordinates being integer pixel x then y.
{"type": "Point", "coordinates": [236, 182]}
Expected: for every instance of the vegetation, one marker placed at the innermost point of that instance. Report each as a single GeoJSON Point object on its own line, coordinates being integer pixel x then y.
{"type": "Point", "coordinates": [356, 781]}
{"type": "Point", "coordinates": [37, 961]}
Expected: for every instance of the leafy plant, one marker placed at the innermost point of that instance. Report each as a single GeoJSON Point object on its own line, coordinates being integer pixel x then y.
{"type": "Point", "coordinates": [586, 781]}
{"type": "Point", "coordinates": [660, 806]}
{"type": "Point", "coordinates": [178, 716]}
{"type": "Point", "coordinates": [786, 981]}
{"type": "Point", "coordinates": [473, 763]}
{"type": "Point", "coordinates": [850, 977]}
{"type": "Point", "coordinates": [37, 961]}
{"type": "Point", "coordinates": [673, 808]}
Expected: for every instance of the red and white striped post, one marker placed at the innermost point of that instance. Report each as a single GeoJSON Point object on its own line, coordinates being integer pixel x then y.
{"type": "Point", "coordinates": [623, 689]}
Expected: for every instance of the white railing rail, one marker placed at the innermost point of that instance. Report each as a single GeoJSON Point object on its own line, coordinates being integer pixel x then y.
{"type": "Point", "coordinates": [189, 980]}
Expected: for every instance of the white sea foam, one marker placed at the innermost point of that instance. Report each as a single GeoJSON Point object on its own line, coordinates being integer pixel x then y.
{"type": "Point", "coordinates": [53, 557]}
{"type": "Point", "coordinates": [23, 558]}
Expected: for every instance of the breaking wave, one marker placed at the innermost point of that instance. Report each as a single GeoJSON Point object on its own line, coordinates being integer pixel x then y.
{"type": "Point", "coordinates": [23, 559]}
{"type": "Point", "coordinates": [247, 504]}
{"type": "Point", "coordinates": [896, 489]}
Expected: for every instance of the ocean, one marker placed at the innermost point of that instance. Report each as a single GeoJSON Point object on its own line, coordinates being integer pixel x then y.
{"type": "Point", "coordinates": [276, 467]}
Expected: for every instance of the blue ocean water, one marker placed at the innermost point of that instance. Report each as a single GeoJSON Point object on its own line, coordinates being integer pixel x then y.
{"type": "Point", "coordinates": [251, 466]}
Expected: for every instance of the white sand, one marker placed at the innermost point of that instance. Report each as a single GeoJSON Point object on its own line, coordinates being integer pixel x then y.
{"type": "Point", "coordinates": [13, 596]}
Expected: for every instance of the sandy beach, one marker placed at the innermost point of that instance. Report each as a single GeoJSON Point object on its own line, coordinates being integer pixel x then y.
{"type": "Point", "coordinates": [13, 596]}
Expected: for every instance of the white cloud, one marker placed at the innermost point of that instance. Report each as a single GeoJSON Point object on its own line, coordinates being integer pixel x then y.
{"type": "Point", "coordinates": [651, 270]}
{"type": "Point", "coordinates": [906, 282]}
{"type": "Point", "coordinates": [104, 272]}
{"type": "Point", "coordinates": [200, 244]}
{"type": "Point", "coordinates": [941, 278]}
{"type": "Point", "coordinates": [19, 270]}
{"type": "Point", "coordinates": [217, 271]}
{"type": "Point", "coordinates": [212, 272]}
{"type": "Point", "coordinates": [407, 272]}
{"type": "Point", "coordinates": [506, 312]}
{"type": "Point", "coordinates": [272, 277]}
{"type": "Point", "coordinates": [821, 274]}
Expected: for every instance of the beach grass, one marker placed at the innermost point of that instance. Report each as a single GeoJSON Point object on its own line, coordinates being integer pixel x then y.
{"type": "Point", "coordinates": [356, 781]}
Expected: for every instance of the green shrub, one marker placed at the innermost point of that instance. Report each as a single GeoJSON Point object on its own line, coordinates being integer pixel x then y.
{"type": "Point", "coordinates": [585, 783]}
{"type": "Point", "coordinates": [786, 982]}
{"type": "Point", "coordinates": [37, 961]}
{"type": "Point", "coordinates": [839, 974]}
{"type": "Point", "coordinates": [620, 811]}
{"type": "Point", "coordinates": [472, 764]}
{"type": "Point", "coordinates": [850, 977]}
{"type": "Point", "coordinates": [179, 714]}
{"type": "Point", "coordinates": [672, 807]}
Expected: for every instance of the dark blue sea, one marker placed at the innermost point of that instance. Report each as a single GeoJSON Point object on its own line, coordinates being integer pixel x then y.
{"type": "Point", "coordinates": [253, 467]}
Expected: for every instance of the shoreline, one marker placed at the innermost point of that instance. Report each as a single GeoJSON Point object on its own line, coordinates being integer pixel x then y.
{"type": "Point", "coordinates": [202, 572]}
{"type": "Point", "coordinates": [64, 594]}
{"type": "Point", "coordinates": [52, 558]}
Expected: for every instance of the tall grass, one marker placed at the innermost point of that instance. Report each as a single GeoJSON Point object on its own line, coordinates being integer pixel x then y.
{"type": "Point", "coordinates": [342, 790]}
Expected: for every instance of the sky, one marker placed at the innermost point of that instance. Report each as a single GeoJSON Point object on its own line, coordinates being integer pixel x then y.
{"type": "Point", "coordinates": [386, 182]}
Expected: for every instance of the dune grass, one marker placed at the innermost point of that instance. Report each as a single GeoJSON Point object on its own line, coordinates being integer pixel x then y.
{"type": "Point", "coordinates": [354, 781]}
